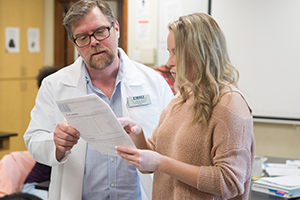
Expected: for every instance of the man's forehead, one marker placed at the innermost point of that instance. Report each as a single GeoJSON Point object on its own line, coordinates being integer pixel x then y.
{"type": "Point", "coordinates": [91, 21]}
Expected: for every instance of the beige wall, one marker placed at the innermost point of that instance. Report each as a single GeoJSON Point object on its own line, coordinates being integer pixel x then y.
{"type": "Point", "coordinates": [279, 140]}
{"type": "Point", "coordinates": [271, 139]}
{"type": "Point", "coordinates": [48, 32]}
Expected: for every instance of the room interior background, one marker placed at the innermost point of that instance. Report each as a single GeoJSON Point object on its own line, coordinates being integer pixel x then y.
{"type": "Point", "coordinates": [144, 40]}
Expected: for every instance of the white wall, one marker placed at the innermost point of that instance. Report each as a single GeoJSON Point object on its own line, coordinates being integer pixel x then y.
{"type": "Point", "coordinates": [170, 10]}
{"type": "Point", "coordinates": [264, 44]}
{"type": "Point", "coordinates": [147, 42]}
{"type": "Point", "coordinates": [142, 31]}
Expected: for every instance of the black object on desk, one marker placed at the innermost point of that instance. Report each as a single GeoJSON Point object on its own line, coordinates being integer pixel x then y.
{"type": "Point", "coordinates": [43, 185]}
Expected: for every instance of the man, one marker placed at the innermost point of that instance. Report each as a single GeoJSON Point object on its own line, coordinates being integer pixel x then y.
{"type": "Point", "coordinates": [78, 170]}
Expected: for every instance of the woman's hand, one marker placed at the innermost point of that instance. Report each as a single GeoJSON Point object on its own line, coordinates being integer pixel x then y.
{"type": "Point", "coordinates": [135, 132]}
{"type": "Point", "coordinates": [148, 161]}
{"type": "Point", "coordinates": [130, 126]}
{"type": "Point", "coordinates": [143, 160]}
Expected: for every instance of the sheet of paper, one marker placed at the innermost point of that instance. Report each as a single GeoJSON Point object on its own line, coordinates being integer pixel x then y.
{"type": "Point", "coordinates": [278, 169]}
{"type": "Point", "coordinates": [12, 39]}
{"type": "Point", "coordinates": [287, 181]}
{"type": "Point", "coordinates": [33, 40]}
{"type": "Point", "coordinates": [96, 123]}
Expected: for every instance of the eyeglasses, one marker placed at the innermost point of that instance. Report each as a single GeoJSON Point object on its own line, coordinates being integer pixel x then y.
{"type": "Point", "coordinates": [99, 34]}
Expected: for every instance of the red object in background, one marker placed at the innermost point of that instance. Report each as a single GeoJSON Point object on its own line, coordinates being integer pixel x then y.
{"type": "Point", "coordinates": [165, 72]}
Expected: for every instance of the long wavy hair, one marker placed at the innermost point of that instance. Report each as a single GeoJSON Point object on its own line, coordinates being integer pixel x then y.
{"type": "Point", "coordinates": [200, 47]}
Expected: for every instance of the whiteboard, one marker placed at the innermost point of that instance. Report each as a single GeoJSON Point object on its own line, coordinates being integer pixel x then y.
{"type": "Point", "coordinates": [263, 38]}
{"type": "Point", "coordinates": [168, 11]}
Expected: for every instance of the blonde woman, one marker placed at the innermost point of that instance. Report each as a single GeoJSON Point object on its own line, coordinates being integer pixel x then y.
{"type": "Point", "coordinates": [203, 146]}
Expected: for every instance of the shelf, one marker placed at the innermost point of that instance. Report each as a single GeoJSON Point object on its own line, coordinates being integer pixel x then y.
{"type": "Point", "coordinates": [4, 140]}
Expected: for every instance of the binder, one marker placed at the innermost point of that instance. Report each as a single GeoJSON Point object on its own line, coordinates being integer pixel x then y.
{"type": "Point", "coordinates": [284, 186]}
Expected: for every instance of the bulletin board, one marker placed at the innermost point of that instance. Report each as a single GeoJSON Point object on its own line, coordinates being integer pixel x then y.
{"type": "Point", "coordinates": [263, 39]}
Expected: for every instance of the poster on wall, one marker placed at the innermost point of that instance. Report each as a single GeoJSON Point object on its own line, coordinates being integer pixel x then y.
{"type": "Point", "coordinates": [33, 40]}
{"type": "Point", "coordinates": [143, 26]}
{"type": "Point", "coordinates": [143, 8]}
{"type": "Point", "coordinates": [12, 39]}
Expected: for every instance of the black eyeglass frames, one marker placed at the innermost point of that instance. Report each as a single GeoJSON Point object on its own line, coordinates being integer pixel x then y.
{"type": "Point", "coordinates": [99, 34]}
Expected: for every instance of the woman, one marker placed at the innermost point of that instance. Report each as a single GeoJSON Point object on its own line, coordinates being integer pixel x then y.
{"type": "Point", "coordinates": [164, 70]}
{"type": "Point", "coordinates": [203, 146]}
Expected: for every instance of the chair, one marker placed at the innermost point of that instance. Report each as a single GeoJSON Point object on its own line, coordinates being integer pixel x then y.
{"type": "Point", "coordinates": [14, 168]}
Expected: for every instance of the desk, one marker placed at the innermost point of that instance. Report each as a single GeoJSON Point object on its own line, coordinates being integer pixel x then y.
{"type": "Point", "coordinates": [261, 196]}
{"type": "Point", "coordinates": [4, 140]}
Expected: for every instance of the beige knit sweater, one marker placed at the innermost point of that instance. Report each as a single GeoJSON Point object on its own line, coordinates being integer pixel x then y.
{"type": "Point", "coordinates": [225, 152]}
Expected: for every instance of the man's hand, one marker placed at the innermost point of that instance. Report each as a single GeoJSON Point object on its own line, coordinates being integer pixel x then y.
{"type": "Point", "coordinates": [65, 137]}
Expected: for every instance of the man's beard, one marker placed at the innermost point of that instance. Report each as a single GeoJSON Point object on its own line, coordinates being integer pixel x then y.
{"type": "Point", "coordinates": [102, 62]}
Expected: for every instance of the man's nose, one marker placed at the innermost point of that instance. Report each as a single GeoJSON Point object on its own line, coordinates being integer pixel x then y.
{"type": "Point", "coordinates": [94, 41]}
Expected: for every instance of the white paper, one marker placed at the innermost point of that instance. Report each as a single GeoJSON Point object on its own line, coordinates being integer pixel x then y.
{"type": "Point", "coordinates": [143, 30]}
{"type": "Point", "coordinates": [33, 40]}
{"type": "Point", "coordinates": [293, 162]}
{"type": "Point", "coordinates": [12, 39]}
{"type": "Point", "coordinates": [287, 181]}
{"type": "Point", "coordinates": [96, 123]}
{"type": "Point", "coordinates": [278, 169]}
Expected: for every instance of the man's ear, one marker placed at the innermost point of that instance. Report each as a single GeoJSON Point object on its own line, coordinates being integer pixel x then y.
{"type": "Point", "coordinates": [117, 28]}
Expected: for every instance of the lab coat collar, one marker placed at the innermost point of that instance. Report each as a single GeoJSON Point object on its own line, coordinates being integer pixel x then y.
{"type": "Point", "coordinates": [131, 75]}
{"type": "Point", "coordinates": [72, 73]}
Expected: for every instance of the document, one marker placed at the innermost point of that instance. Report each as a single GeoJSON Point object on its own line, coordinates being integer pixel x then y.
{"type": "Point", "coordinates": [96, 123]}
{"type": "Point", "coordinates": [278, 169]}
{"type": "Point", "coordinates": [283, 186]}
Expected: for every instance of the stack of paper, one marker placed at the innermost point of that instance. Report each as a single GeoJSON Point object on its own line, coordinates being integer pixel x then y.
{"type": "Point", "coordinates": [283, 186]}
{"type": "Point", "coordinates": [274, 169]}
{"type": "Point", "coordinates": [293, 162]}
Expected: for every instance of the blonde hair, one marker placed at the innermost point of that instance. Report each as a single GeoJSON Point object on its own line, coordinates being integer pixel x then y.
{"type": "Point", "coordinates": [200, 46]}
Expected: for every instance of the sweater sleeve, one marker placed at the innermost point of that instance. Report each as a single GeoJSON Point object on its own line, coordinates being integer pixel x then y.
{"type": "Point", "coordinates": [231, 157]}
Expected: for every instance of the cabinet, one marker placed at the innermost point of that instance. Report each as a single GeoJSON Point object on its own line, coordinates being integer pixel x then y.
{"type": "Point", "coordinates": [18, 71]}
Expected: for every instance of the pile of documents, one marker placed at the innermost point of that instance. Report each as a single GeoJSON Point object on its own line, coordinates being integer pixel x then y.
{"type": "Point", "coordinates": [283, 186]}
{"type": "Point", "coordinates": [283, 180]}
{"type": "Point", "coordinates": [274, 169]}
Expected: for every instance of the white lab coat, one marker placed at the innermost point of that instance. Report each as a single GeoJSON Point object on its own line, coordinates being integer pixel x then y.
{"type": "Point", "coordinates": [67, 175]}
